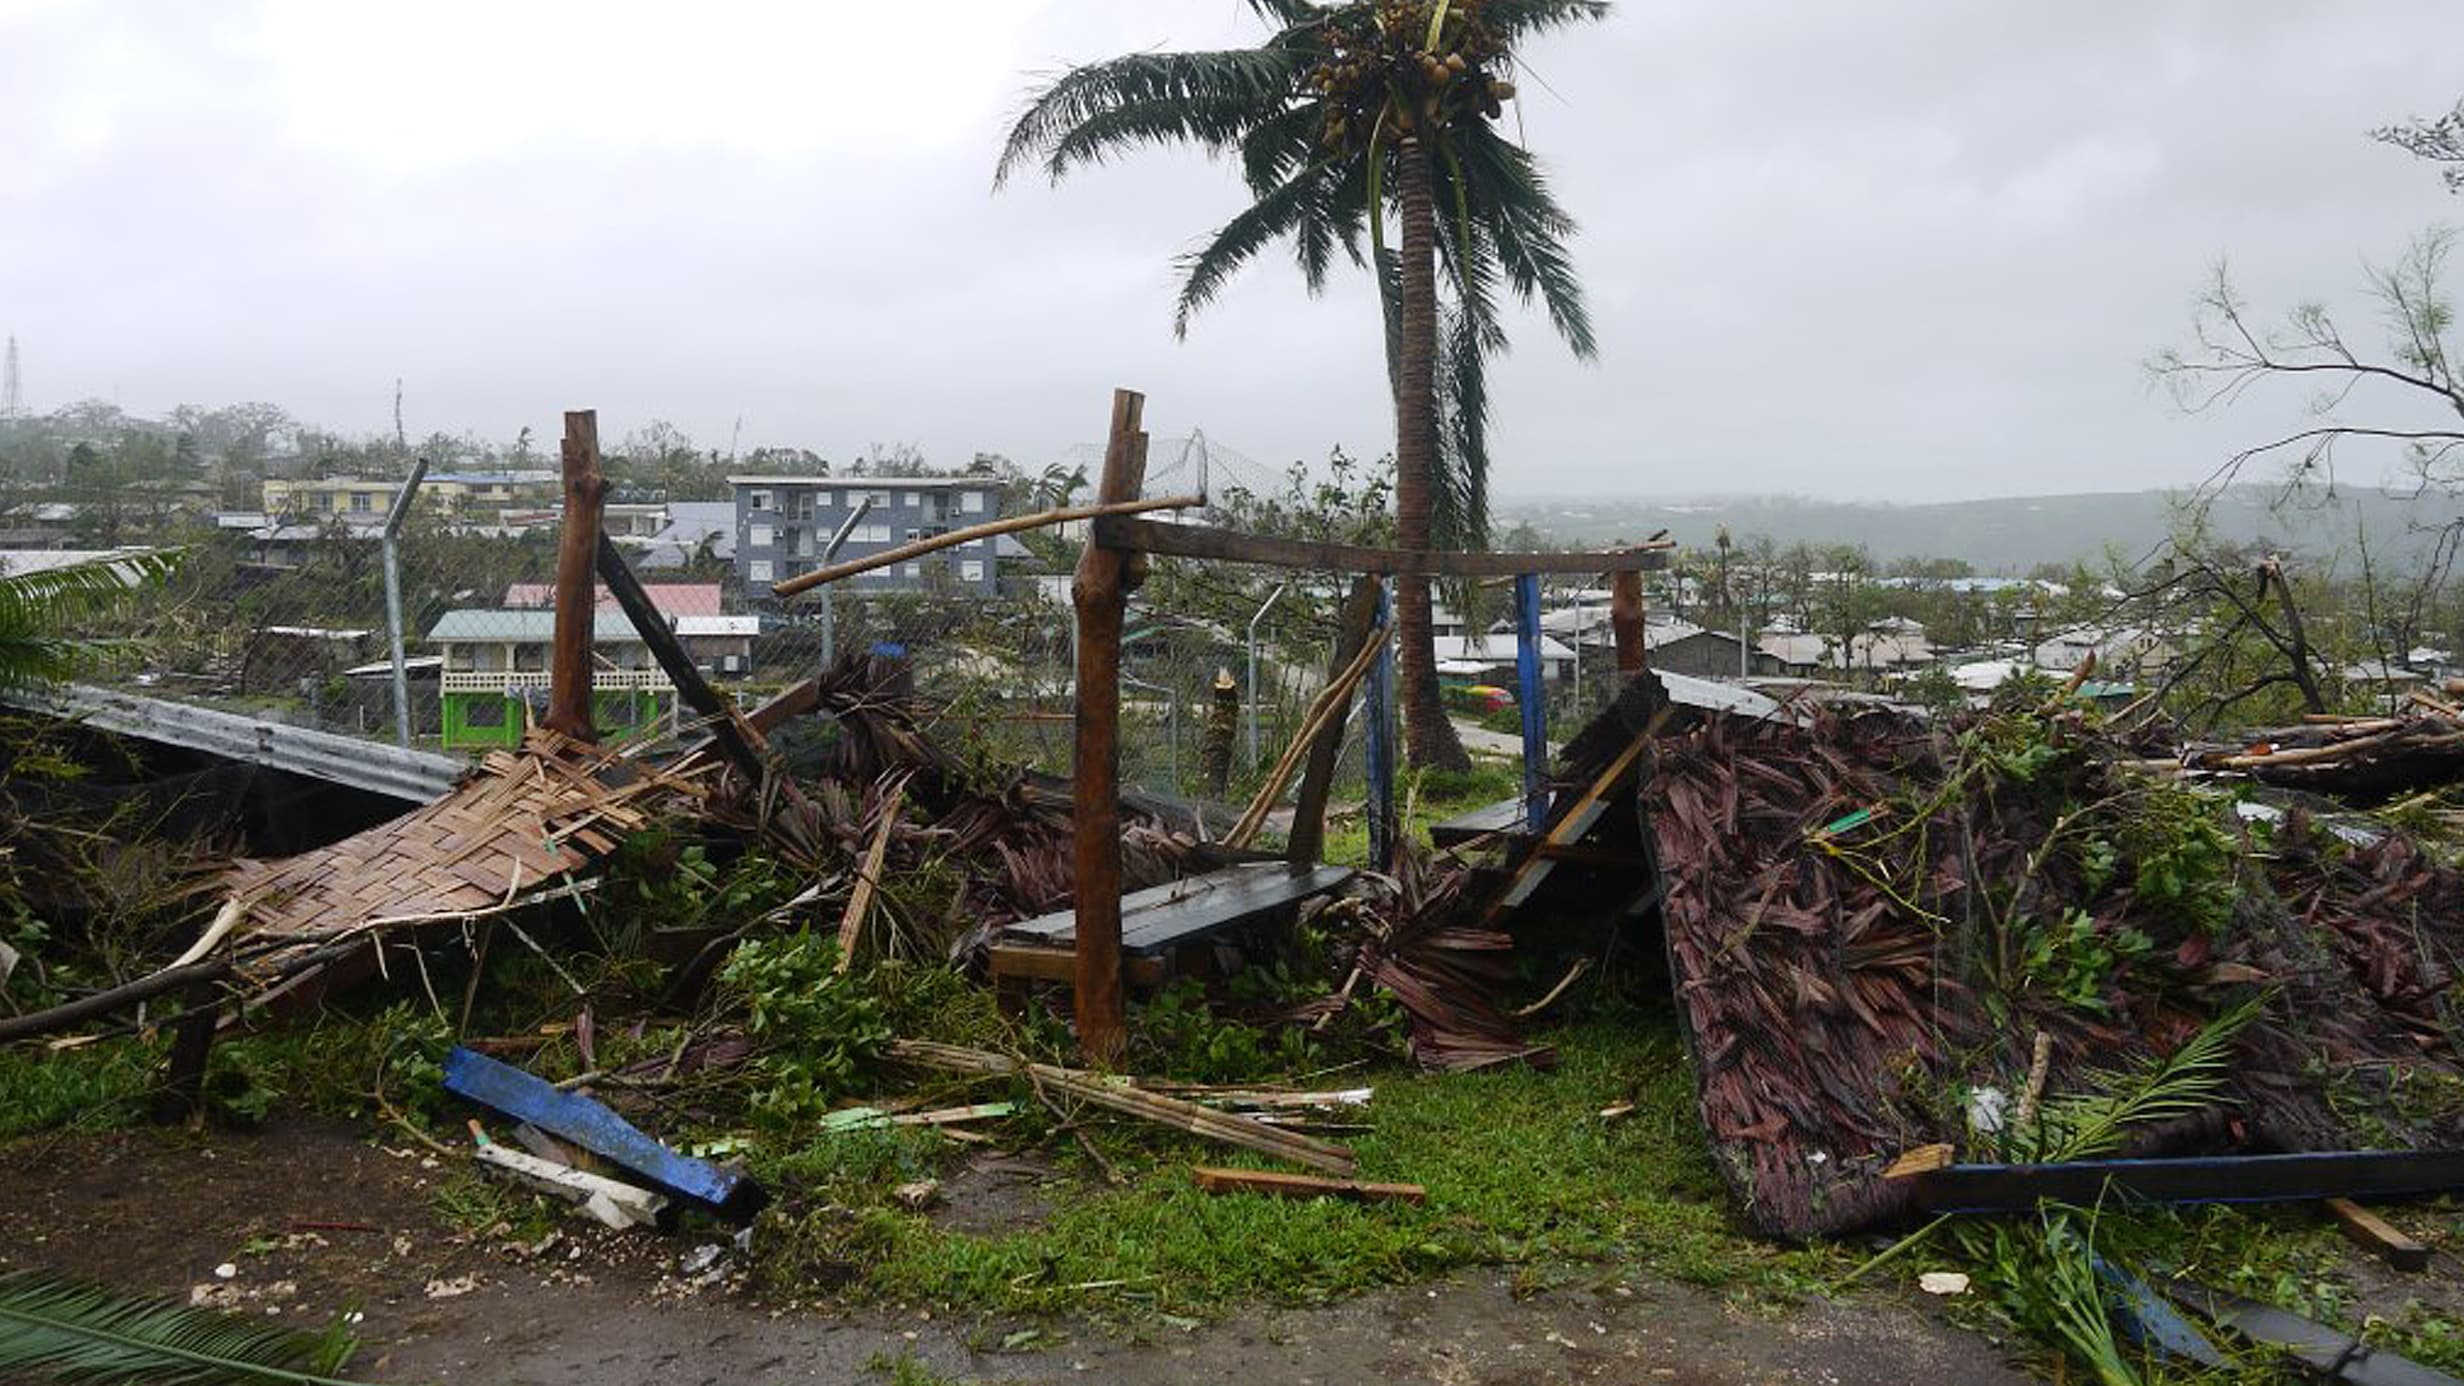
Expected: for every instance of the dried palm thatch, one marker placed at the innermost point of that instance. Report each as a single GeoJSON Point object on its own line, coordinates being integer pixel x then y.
{"type": "Point", "coordinates": [521, 823]}
{"type": "Point", "coordinates": [1871, 919]}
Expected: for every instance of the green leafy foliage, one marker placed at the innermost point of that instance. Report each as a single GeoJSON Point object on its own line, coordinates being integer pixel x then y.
{"type": "Point", "coordinates": [43, 614]}
{"type": "Point", "coordinates": [820, 1030]}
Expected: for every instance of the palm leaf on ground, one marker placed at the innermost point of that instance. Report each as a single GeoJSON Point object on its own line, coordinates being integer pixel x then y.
{"type": "Point", "coordinates": [81, 1333]}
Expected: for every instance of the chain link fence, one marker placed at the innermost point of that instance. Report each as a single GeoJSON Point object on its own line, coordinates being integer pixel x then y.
{"type": "Point", "coordinates": [287, 620]}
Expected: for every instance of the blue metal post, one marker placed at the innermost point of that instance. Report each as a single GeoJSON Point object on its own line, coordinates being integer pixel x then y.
{"type": "Point", "coordinates": [1377, 705]}
{"type": "Point", "coordinates": [1530, 693]}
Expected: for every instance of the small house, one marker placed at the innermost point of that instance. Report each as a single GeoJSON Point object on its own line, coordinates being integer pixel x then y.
{"type": "Point", "coordinates": [494, 681]}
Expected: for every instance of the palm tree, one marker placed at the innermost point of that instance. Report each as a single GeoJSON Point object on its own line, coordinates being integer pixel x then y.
{"type": "Point", "coordinates": [1345, 114]}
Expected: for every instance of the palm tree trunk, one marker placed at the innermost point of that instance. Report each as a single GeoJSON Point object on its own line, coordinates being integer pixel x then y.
{"type": "Point", "coordinates": [1428, 737]}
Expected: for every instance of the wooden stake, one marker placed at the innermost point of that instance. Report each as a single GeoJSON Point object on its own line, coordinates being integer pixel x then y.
{"type": "Point", "coordinates": [1625, 620]}
{"type": "Point", "coordinates": [577, 550]}
{"type": "Point", "coordinates": [1100, 593]}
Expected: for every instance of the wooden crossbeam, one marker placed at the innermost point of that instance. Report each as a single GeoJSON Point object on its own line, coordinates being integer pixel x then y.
{"type": "Point", "coordinates": [1132, 535]}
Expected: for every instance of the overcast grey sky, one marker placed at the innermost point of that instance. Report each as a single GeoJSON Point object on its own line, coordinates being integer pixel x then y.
{"type": "Point", "coordinates": [1905, 248]}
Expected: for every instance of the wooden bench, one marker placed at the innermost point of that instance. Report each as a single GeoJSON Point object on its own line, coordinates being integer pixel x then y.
{"type": "Point", "coordinates": [1503, 819]}
{"type": "Point", "coordinates": [1157, 923]}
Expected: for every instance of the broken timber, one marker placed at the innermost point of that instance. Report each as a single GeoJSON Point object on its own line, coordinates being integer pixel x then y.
{"type": "Point", "coordinates": [503, 1088]}
{"type": "Point", "coordinates": [2373, 1233]}
{"type": "Point", "coordinates": [1173, 1112]}
{"type": "Point", "coordinates": [577, 547]}
{"type": "Point", "coordinates": [806, 582]}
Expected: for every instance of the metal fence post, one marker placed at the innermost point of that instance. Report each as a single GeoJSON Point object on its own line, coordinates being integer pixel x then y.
{"type": "Point", "coordinates": [829, 551]}
{"type": "Point", "coordinates": [393, 598]}
{"type": "Point", "coordinates": [1271, 599]}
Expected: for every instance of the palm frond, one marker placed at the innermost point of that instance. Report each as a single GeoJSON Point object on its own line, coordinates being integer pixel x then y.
{"type": "Point", "coordinates": [1238, 241]}
{"type": "Point", "coordinates": [1519, 19]}
{"type": "Point", "coordinates": [1511, 197]}
{"type": "Point", "coordinates": [2190, 1079]}
{"type": "Point", "coordinates": [40, 612]}
{"type": "Point", "coordinates": [82, 1333]}
{"type": "Point", "coordinates": [1209, 99]}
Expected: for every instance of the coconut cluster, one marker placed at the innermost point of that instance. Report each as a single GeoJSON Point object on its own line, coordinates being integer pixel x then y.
{"type": "Point", "coordinates": [1379, 64]}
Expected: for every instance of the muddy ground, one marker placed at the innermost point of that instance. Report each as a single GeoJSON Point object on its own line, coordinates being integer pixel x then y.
{"type": "Point", "coordinates": [310, 1217]}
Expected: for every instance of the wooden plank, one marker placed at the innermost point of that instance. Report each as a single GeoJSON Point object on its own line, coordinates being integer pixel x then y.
{"type": "Point", "coordinates": [1157, 918]}
{"type": "Point", "coordinates": [1571, 825]}
{"type": "Point", "coordinates": [1922, 1160]}
{"type": "Point", "coordinates": [1129, 534]}
{"type": "Point", "coordinates": [2373, 1233]}
{"type": "Point", "coordinates": [1100, 594]}
{"type": "Point", "coordinates": [868, 878]}
{"type": "Point", "coordinates": [1217, 1180]}
{"type": "Point", "coordinates": [503, 1088]}
{"type": "Point", "coordinates": [1308, 836]}
{"type": "Point", "coordinates": [1011, 525]}
{"type": "Point", "coordinates": [2297, 1178]}
{"type": "Point", "coordinates": [1040, 963]}
{"type": "Point", "coordinates": [1505, 817]}
{"type": "Point", "coordinates": [1328, 709]}
{"type": "Point", "coordinates": [577, 548]}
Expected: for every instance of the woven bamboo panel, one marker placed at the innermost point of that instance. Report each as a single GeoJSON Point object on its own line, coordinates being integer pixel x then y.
{"type": "Point", "coordinates": [518, 823]}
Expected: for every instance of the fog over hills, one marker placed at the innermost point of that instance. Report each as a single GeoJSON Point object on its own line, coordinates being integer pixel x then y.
{"type": "Point", "coordinates": [2006, 535]}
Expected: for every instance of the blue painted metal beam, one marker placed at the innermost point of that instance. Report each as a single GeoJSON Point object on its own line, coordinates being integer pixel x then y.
{"type": "Point", "coordinates": [502, 1088]}
{"type": "Point", "coordinates": [1532, 695]}
{"type": "Point", "coordinates": [1378, 707]}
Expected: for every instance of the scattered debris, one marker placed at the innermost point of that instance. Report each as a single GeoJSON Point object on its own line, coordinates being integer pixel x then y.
{"type": "Point", "coordinates": [2375, 1234]}
{"type": "Point", "coordinates": [1943, 1282]}
{"type": "Point", "coordinates": [515, 1094]}
{"type": "Point", "coordinates": [916, 1195]}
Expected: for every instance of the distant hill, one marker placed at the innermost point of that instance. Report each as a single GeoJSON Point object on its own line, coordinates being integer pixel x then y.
{"type": "Point", "coordinates": [2008, 535]}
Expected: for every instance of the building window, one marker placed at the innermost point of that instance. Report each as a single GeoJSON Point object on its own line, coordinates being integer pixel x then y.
{"type": "Point", "coordinates": [915, 570]}
{"type": "Point", "coordinates": [757, 571]}
{"type": "Point", "coordinates": [971, 502]}
{"type": "Point", "coordinates": [972, 570]}
{"type": "Point", "coordinates": [758, 536]}
{"type": "Point", "coordinates": [825, 499]}
{"type": "Point", "coordinates": [881, 498]}
{"type": "Point", "coordinates": [871, 534]}
{"type": "Point", "coordinates": [361, 503]}
{"type": "Point", "coordinates": [759, 500]}
{"type": "Point", "coordinates": [915, 498]}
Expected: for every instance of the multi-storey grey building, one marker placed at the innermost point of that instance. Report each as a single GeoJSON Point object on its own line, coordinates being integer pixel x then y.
{"type": "Point", "coordinates": [784, 522]}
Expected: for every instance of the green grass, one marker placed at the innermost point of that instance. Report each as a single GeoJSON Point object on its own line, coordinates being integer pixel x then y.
{"type": "Point", "coordinates": [1519, 1167]}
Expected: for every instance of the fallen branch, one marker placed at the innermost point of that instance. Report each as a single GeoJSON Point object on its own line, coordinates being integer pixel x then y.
{"type": "Point", "coordinates": [971, 533]}
{"type": "Point", "coordinates": [1216, 1180]}
{"type": "Point", "coordinates": [1332, 703]}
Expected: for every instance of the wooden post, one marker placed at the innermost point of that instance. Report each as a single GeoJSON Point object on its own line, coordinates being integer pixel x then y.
{"type": "Point", "coordinates": [1531, 688]}
{"type": "Point", "coordinates": [1377, 704]}
{"type": "Point", "coordinates": [1100, 593]}
{"type": "Point", "coordinates": [1317, 780]}
{"type": "Point", "coordinates": [1625, 618]}
{"type": "Point", "coordinates": [577, 551]}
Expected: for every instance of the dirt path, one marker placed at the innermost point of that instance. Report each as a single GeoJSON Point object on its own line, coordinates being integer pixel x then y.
{"type": "Point", "coordinates": [308, 1218]}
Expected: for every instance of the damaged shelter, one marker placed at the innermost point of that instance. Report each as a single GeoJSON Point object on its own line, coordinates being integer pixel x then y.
{"type": "Point", "coordinates": [1913, 958]}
